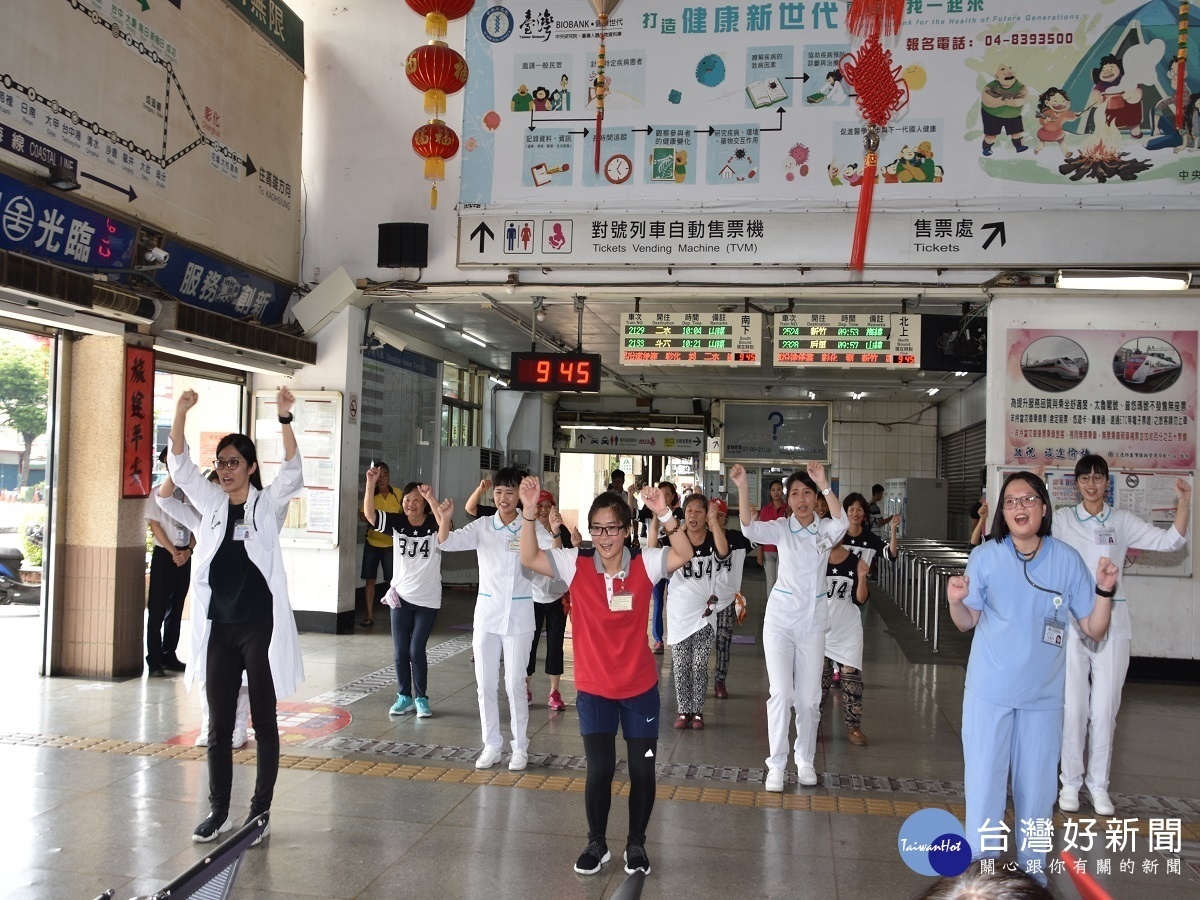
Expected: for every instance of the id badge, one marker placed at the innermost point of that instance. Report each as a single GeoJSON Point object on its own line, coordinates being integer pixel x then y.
{"type": "Point", "coordinates": [824, 545]}
{"type": "Point", "coordinates": [622, 602]}
{"type": "Point", "coordinates": [241, 530]}
{"type": "Point", "coordinates": [1106, 537]}
{"type": "Point", "coordinates": [1053, 632]}
{"type": "Point", "coordinates": [514, 545]}
{"type": "Point", "coordinates": [181, 536]}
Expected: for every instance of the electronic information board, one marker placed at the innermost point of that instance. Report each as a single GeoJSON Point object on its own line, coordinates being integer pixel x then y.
{"type": "Point", "coordinates": [691, 339]}
{"type": "Point", "coordinates": [863, 340]}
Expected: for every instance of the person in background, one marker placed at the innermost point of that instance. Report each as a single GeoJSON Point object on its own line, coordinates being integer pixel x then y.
{"type": "Point", "coordinates": [550, 615]}
{"type": "Point", "coordinates": [242, 620]}
{"type": "Point", "coordinates": [617, 483]}
{"type": "Point", "coordinates": [1019, 591]}
{"type": "Point", "coordinates": [657, 628]}
{"type": "Point", "coordinates": [731, 605]}
{"type": "Point", "coordinates": [1096, 669]}
{"type": "Point", "coordinates": [862, 542]}
{"type": "Point", "coordinates": [876, 518]}
{"type": "Point", "coordinates": [693, 601]}
{"type": "Point", "coordinates": [797, 615]}
{"type": "Point", "coordinates": [503, 623]}
{"type": "Point", "coordinates": [170, 576]}
{"type": "Point", "coordinates": [846, 592]}
{"type": "Point", "coordinates": [615, 672]}
{"type": "Point", "coordinates": [414, 592]}
{"type": "Point", "coordinates": [975, 884]}
{"type": "Point", "coordinates": [473, 507]}
{"type": "Point", "coordinates": [768, 554]}
{"type": "Point", "coordinates": [174, 504]}
{"type": "Point", "coordinates": [978, 532]}
{"type": "Point", "coordinates": [377, 549]}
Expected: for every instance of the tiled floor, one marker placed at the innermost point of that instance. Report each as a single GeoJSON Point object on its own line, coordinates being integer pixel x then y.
{"type": "Point", "coordinates": [103, 788]}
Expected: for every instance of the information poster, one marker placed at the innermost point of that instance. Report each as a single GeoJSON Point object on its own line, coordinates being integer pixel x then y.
{"type": "Point", "coordinates": [312, 518]}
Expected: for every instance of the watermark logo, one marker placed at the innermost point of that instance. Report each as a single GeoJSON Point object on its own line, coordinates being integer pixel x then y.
{"type": "Point", "coordinates": [932, 842]}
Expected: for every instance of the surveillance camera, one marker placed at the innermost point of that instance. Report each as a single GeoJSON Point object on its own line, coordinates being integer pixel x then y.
{"type": "Point", "coordinates": [157, 256]}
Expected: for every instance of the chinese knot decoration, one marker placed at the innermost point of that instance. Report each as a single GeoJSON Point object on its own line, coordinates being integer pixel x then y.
{"type": "Point", "coordinates": [437, 70]}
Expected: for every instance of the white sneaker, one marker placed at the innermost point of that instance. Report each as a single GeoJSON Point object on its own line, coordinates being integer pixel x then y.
{"type": "Point", "coordinates": [239, 738]}
{"type": "Point", "coordinates": [775, 780]}
{"type": "Point", "coordinates": [1068, 799]}
{"type": "Point", "coordinates": [1102, 803]}
{"type": "Point", "coordinates": [488, 758]}
{"type": "Point", "coordinates": [808, 776]}
{"type": "Point", "coordinates": [520, 759]}
{"type": "Point", "coordinates": [202, 738]}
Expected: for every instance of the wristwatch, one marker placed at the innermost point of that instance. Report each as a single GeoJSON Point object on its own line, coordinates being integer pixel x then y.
{"type": "Point", "coordinates": [287, 420]}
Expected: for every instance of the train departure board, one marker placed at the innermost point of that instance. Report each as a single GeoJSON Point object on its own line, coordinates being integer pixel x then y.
{"type": "Point", "coordinates": [691, 339]}
{"type": "Point", "coordinates": [864, 340]}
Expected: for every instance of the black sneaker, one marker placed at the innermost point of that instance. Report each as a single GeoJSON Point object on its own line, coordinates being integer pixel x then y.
{"type": "Point", "coordinates": [266, 832]}
{"type": "Point", "coordinates": [174, 665]}
{"type": "Point", "coordinates": [216, 823]}
{"type": "Point", "coordinates": [592, 858]}
{"type": "Point", "coordinates": [636, 859]}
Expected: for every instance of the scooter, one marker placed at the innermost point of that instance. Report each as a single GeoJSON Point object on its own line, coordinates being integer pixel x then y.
{"type": "Point", "coordinates": [12, 588]}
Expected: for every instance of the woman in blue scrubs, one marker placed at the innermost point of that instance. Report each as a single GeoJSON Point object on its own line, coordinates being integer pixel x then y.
{"type": "Point", "coordinates": [1020, 589]}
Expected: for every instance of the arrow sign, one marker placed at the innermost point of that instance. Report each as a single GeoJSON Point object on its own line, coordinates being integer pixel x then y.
{"type": "Point", "coordinates": [483, 233]}
{"type": "Point", "coordinates": [801, 78]}
{"type": "Point", "coordinates": [646, 130]}
{"type": "Point", "coordinates": [532, 120]}
{"type": "Point", "coordinates": [120, 190]}
{"type": "Point", "coordinates": [996, 229]}
{"type": "Point", "coordinates": [779, 127]}
{"type": "Point", "coordinates": [249, 166]}
{"type": "Point", "coordinates": [585, 132]}
{"type": "Point", "coordinates": [708, 130]}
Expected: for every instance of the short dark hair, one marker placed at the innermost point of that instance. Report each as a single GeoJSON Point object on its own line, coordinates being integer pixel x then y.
{"type": "Point", "coordinates": [162, 455]}
{"type": "Point", "coordinates": [508, 477]}
{"type": "Point", "coordinates": [858, 498]}
{"type": "Point", "coordinates": [412, 486]}
{"type": "Point", "coordinates": [775, 481]}
{"type": "Point", "coordinates": [804, 479]}
{"type": "Point", "coordinates": [617, 473]}
{"type": "Point", "coordinates": [876, 489]}
{"type": "Point", "coordinates": [1091, 463]}
{"type": "Point", "coordinates": [1000, 526]}
{"type": "Point", "coordinates": [244, 446]}
{"type": "Point", "coordinates": [615, 502]}
{"type": "Point", "coordinates": [696, 497]}
{"type": "Point", "coordinates": [667, 485]}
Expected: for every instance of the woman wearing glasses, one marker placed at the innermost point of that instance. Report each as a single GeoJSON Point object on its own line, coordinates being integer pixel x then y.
{"type": "Point", "coordinates": [1096, 670]}
{"type": "Point", "coordinates": [615, 673]}
{"type": "Point", "coordinates": [241, 617]}
{"type": "Point", "coordinates": [691, 625]}
{"type": "Point", "coordinates": [1020, 589]}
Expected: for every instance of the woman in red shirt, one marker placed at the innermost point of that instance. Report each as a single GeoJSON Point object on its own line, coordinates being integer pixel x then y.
{"type": "Point", "coordinates": [615, 674]}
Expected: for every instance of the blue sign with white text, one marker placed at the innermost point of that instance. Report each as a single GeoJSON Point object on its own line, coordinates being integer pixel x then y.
{"type": "Point", "coordinates": [44, 225]}
{"type": "Point", "coordinates": [221, 287]}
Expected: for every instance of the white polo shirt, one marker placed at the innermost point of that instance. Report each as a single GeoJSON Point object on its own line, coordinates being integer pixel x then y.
{"type": "Point", "coordinates": [178, 532]}
{"type": "Point", "coordinates": [505, 601]}
{"type": "Point", "coordinates": [1111, 533]}
{"type": "Point", "coordinates": [797, 603]}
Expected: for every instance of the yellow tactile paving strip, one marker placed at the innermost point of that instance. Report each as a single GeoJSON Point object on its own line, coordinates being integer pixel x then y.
{"type": "Point", "coordinates": [761, 799]}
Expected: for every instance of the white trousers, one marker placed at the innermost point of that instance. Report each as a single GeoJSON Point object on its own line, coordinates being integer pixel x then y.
{"type": "Point", "coordinates": [997, 741]}
{"type": "Point", "coordinates": [794, 663]}
{"type": "Point", "coordinates": [241, 719]}
{"type": "Point", "coordinates": [1093, 697]}
{"type": "Point", "coordinates": [771, 569]}
{"type": "Point", "coordinates": [515, 648]}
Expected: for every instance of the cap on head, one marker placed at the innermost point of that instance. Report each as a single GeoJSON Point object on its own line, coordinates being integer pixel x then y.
{"type": "Point", "coordinates": [545, 497]}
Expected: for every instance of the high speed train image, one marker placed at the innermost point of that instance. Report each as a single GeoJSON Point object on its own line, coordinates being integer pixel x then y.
{"type": "Point", "coordinates": [1143, 366]}
{"type": "Point", "coordinates": [1060, 366]}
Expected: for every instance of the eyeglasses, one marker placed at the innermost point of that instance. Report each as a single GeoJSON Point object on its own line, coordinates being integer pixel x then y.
{"type": "Point", "coordinates": [1092, 479]}
{"type": "Point", "coordinates": [1029, 500]}
{"type": "Point", "coordinates": [708, 610]}
{"type": "Point", "coordinates": [610, 530]}
{"type": "Point", "coordinates": [231, 464]}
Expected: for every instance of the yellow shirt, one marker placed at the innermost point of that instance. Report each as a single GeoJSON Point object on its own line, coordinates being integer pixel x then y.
{"type": "Point", "coordinates": [388, 503]}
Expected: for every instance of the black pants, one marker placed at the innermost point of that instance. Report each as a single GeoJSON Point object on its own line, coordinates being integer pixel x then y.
{"type": "Point", "coordinates": [232, 648]}
{"type": "Point", "coordinates": [551, 617]}
{"type": "Point", "coordinates": [164, 606]}
{"type": "Point", "coordinates": [601, 752]}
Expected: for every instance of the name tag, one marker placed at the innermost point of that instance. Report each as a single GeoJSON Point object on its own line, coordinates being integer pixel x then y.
{"type": "Point", "coordinates": [181, 536]}
{"type": "Point", "coordinates": [824, 545]}
{"type": "Point", "coordinates": [1105, 537]}
{"type": "Point", "coordinates": [621, 602]}
{"type": "Point", "coordinates": [241, 530]}
{"type": "Point", "coordinates": [514, 545]}
{"type": "Point", "coordinates": [1053, 632]}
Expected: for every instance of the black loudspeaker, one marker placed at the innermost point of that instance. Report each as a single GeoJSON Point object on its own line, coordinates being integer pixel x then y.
{"type": "Point", "coordinates": [403, 245]}
{"type": "Point", "coordinates": [697, 407]}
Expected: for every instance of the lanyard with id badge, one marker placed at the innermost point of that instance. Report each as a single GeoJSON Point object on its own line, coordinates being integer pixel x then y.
{"type": "Point", "coordinates": [619, 599]}
{"type": "Point", "coordinates": [1054, 632]}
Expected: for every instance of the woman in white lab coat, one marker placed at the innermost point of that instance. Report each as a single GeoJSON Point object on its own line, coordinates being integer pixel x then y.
{"type": "Point", "coordinates": [242, 619]}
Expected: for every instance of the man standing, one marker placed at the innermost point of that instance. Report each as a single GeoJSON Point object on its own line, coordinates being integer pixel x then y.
{"type": "Point", "coordinates": [1000, 106]}
{"type": "Point", "coordinates": [875, 516]}
{"type": "Point", "coordinates": [170, 575]}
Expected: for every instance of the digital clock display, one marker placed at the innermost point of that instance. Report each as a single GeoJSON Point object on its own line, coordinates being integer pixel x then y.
{"type": "Point", "coordinates": [555, 372]}
{"type": "Point", "coordinates": [861, 340]}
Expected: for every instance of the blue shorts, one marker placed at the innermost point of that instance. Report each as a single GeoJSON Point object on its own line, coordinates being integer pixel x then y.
{"type": "Point", "coordinates": [639, 716]}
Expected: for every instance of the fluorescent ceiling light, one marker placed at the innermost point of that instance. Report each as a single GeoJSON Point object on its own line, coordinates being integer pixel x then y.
{"type": "Point", "coordinates": [857, 395]}
{"type": "Point", "coordinates": [960, 374]}
{"type": "Point", "coordinates": [932, 391]}
{"type": "Point", "coordinates": [500, 381]}
{"type": "Point", "coordinates": [427, 318]}
{"type": "Point", "coordinates": [812, 395]}
{"type": "Point", "coordinates": [473, 339]}
{"type": "Point", "coordinates": [230, 357]}
{"type": "Point", "coordinates": [1102, 280]}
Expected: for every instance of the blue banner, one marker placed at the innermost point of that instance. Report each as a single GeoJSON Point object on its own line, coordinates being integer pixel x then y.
{"type": "Point", "coordinates": [46, 225]}
{"type": "Point", "coordinates": [404, 359]}
{"type": "Point", "coordinates": [221, 287]}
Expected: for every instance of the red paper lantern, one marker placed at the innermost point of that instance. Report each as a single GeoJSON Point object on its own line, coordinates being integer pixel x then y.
{"type": "Point", "coordinates": [437, 70]}
{"type": "Point", "coordinates": [436, 142]}
{"type": "Point", "coordinates": [438, 12]}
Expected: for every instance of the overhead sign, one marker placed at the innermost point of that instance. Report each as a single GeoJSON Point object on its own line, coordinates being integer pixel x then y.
{"type": "Point", "coordinates": [772, 432]}
{"type": "Point", "coordinates": [930, 238]}
{"type": "Point", "coordinates": [222, 287]}
{"type": "Point", "coordinates": [589, 440]}
{"type": "Point", "coordinates": [691, 339]}
{"type": "Point", "coordinates": [30, 148]}
{"type": "Point", "coordinates": [859, 340]}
